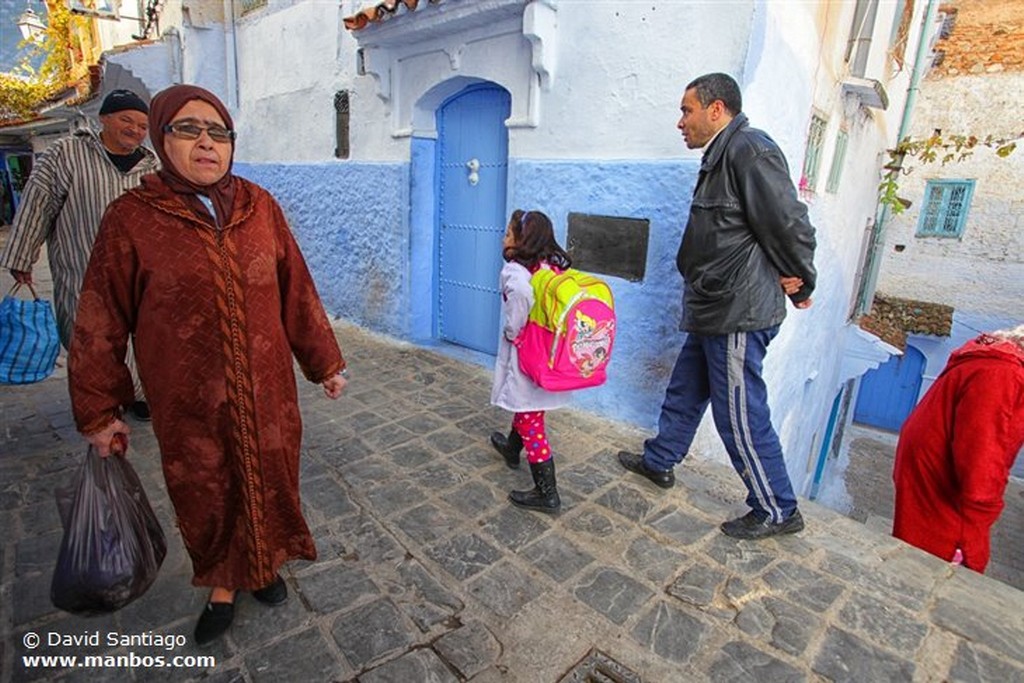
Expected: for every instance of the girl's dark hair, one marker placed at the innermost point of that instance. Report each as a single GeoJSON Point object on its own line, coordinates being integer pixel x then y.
{"type": "Point", "coordinates": [535, 241]}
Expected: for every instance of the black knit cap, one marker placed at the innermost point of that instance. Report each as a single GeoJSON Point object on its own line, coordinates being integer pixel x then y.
{"type": "Point", "coordinates": [119, 100]}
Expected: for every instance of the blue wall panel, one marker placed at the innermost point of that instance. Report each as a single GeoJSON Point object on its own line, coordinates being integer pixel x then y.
{"type": "Point", "coordinates": [648, 337]}
{"type": "Point", "coordinates": [351, 221]}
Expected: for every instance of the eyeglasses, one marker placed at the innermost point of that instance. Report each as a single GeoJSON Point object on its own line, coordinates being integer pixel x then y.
{"type": "Point", "coordinates": [190, 131]}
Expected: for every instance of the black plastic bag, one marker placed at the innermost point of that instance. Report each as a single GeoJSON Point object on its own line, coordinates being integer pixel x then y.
{"type": "Point", "coordinates": [113, 545]}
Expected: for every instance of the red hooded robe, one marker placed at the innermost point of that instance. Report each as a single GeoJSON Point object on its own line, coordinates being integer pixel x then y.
{"type": "Point", "coordinates": [956, 449]}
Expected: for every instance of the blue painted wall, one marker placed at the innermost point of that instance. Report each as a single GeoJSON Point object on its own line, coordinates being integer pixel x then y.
{"type": "Point", "coordinates": [372, 260]}
{"type": "Point", "coordinates": [648, 337]}
{"type": "Point", "coordinates": [350, 220]}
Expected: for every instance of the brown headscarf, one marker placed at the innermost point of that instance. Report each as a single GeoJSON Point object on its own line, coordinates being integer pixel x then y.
{"type": "Point", "coordinates": [162, 110]}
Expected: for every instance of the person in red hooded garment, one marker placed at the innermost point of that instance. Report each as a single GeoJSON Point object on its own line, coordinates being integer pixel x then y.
{"type": "Point", "coordinates": [956, 449]}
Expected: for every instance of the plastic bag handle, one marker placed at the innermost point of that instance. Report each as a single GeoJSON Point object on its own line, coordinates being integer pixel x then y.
{"type": "Point", "coordinates": [18, 285]}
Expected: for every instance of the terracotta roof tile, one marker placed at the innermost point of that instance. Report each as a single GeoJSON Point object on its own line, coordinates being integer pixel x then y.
{"type": "Point", "coordinates": [381, 12]}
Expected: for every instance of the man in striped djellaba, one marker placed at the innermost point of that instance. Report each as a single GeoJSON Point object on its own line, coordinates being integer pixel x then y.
{"type": "Point", "coordinates": [70, 186]}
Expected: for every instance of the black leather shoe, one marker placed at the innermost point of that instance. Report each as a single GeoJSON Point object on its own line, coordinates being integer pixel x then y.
{"type": "Point", "coordinates": [214, 621]}
{"type": "Point", "coordinates": [140, 411]}
{"type": "Point", "coordinates": [634, 462]}
{"type": "Point", "coordinates": [757, 525]}
{"type": "Point", "coordinates": [275, 594]}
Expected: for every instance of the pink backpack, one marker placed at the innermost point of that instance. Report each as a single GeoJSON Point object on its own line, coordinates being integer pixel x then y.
{"type": "Point", "coordinates": [568, 340]}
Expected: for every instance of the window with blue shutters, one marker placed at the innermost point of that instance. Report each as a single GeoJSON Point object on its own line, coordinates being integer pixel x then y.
{"type": "Point", "coordinates": [812, 160]}
{"type": "Point", "coordinates": [944, 212]}
{"type": "Point", "coordinates": [836, 172]}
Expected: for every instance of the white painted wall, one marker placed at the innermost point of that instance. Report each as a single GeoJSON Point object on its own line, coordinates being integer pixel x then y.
{"type": "Point", "coordinates": [621, 72]}
{"type": "Point", "coordinates": [119, 33]}
{"type": "Point", "coordinates": [291, 61]}
{"type": "Point", "coordinates": [795, 65]}
{"type": "Point", "coordinates": [983, 271]}
{"type": "Point", "coordinates": [604, 103]}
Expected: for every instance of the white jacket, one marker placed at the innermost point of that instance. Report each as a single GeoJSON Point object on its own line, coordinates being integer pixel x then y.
{"type": "Point", "coordinates": [512, 389]}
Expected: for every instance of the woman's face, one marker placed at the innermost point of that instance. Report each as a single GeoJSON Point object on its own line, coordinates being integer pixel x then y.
{"type": "Point", "coordinates": [202, 161]}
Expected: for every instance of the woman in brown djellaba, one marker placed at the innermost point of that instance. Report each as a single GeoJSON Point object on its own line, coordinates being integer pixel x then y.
{"type": "Point", "coordinates": [200, 267]}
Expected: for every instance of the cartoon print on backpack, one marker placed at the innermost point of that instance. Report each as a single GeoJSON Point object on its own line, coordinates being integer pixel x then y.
{"type": "Point", "coordinates": [590, 342]}
{"type": "Point", "coordinates": [568, 340]}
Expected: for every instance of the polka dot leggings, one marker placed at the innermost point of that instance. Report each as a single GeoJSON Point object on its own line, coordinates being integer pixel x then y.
{"type": "Point", "coordinates": [530, 427]}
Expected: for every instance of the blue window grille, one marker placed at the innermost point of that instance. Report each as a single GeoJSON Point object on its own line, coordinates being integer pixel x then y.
{"type": "Point", "coordinates": [812, 160]}
{"type": "Point", "coordinates": [836, 172]}
{"type": "Point", "coordinates": [946, 203]}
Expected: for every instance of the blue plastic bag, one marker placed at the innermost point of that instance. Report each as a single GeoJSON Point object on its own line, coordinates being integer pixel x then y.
{"type": "Point", "coordinates": [28, 339]}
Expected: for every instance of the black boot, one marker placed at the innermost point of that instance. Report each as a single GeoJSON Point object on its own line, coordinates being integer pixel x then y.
{"type": "Point", "coordinates": [544, 495]}
{"type": "Point", "coordinates": [509, 446]}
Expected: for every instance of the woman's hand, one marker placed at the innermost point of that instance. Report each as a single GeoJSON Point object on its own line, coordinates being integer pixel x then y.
{"type": "Point", "coordinates": [333, 386]}
{"type": "Point", "coordinates": [111, 440]}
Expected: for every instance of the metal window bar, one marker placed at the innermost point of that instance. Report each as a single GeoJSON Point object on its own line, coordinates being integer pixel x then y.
{"type": "Point", "coordinates": [946, 205]}
{"type": "Point", "coordinates": [932, 209]}
{"type": "Point", "coordinates": [812, 160]}
{"type": "Point", "coordinates": [835, 173]}
{"type": "Point", "coordinates": [341, 124]}
{"type": "Point", "coordinates": [955, 208]}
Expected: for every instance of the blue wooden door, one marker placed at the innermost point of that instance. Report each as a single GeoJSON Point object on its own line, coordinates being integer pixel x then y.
{"type": "Point", "coordinates": [889, 393]}
{"type": "Point", "coordinates": [472, 172]}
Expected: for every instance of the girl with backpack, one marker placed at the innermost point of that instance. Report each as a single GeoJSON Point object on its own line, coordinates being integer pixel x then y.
{"type": "Point", "coordinates": [528, 246]}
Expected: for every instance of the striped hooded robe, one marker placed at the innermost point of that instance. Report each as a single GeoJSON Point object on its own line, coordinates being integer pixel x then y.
{"type": "Point", "coordinates": [70, 186]}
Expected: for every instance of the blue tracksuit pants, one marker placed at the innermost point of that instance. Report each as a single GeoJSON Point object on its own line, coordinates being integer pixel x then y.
{"type": "Point", "coordinates": [725, 371]}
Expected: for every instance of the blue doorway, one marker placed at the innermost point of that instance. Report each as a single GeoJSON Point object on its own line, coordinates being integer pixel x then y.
{"type": "Point", "coordinates": [472, 172]}
{"type": "Point", "coordinates": [888, 393]}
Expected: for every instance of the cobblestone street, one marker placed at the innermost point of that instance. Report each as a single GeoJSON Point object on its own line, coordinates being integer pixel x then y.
{"type": "Point", "coordinates": [869, 482]}
{"type": "Point", "coordinates": [426, 573]}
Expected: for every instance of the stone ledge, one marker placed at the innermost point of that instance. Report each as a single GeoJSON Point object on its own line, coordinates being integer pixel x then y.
{"type": "Point", "coordinates": [892, 319]}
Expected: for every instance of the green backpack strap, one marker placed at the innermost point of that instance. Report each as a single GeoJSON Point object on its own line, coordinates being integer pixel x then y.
{"type": "Point", "coordinates": [555, 293]}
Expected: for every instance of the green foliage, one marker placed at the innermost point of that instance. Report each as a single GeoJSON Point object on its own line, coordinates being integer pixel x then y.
{"type": "Point", "coordinates": [20, 93]}
{"type": "Point", "coordinates": [934, 149]}
{"type": "Point", "coordinates": [24, 89]}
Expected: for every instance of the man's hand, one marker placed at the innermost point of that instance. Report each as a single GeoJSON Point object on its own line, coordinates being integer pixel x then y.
{"type": "Point", "coordinates": [334, 386]}
{"type": "Point", "coordinates": [112, 440]}
{"type": "Point", "coordinates": [23, 277]}
{"type": "Point", "coordinates": [790, 285]}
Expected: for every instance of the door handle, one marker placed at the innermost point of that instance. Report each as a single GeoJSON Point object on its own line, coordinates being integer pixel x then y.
{"type": "Point", "coordinates": [474, 167]}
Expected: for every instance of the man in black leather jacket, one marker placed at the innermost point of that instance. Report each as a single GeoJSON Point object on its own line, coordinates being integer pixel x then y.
{"type": "Point", "coordinates": [748, 244]}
